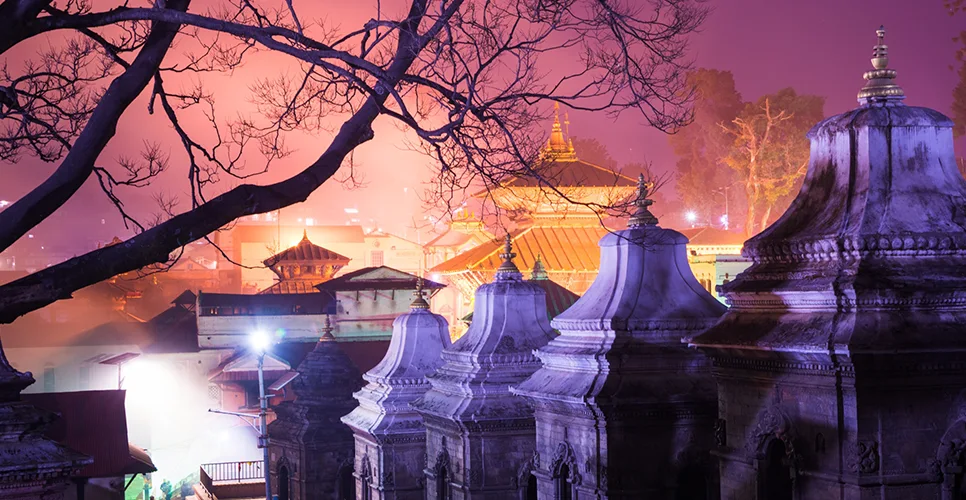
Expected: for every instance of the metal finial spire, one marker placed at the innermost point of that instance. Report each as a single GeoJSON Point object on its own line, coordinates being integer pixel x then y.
{"type": "Point", "coordinates": [538, 272]}
{"type": "Point", "coordinates": [642, 216]}
{"type": "Point", "coordinates": [508, 270]}
{"type": "Point", "coordinates": [420, 301]}
{"type": "Point", "coordinates": [327, 329]}
{"type": "Point", "coordinates": [880, 84]}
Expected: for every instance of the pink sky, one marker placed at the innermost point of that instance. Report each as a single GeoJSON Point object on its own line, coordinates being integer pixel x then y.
{"type": "Point", "coordinates": [819, 47]}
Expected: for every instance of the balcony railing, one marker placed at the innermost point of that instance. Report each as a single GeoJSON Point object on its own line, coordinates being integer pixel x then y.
{"type": "Point", "coordinates": [237, 472]}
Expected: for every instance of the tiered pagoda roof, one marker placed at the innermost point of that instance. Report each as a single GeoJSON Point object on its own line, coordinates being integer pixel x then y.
{"type": "Point", "coordinates": [301, 267]}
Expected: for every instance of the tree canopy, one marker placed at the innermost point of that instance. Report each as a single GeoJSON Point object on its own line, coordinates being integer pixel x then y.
{"type": "Point", "coordinates": [469, 79]}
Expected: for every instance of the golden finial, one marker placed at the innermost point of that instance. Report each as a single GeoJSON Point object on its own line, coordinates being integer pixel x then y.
{"type": "Point", "coordinates": [508, 270]}
{"type": "Point", "coordinates": [880, 86]}
{"type": "Point", "coordinates": [558, 148]}
{"type": "Point", "coordinates": [305, 235]}
{"type": "Point", "coordinates": [642, 216]}
{"type": "Point", "coordinates": [420, 301]}
{"type": "Point", "coordinates": [327, 329]}
{"type": "Point", "coordinates": [538, 272]}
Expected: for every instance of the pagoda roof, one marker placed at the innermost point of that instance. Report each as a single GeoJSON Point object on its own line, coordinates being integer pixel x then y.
{"type": "Point", "coordinates": [559, 299]}
{"type": "Point", "coordinates": [564, 248]}
{"type": "Point", "coordinates": [709, 236]}
{"type": "Point", "coordinates": [304, 251]}
{"type": "Point", "coordinates": [570, 173]}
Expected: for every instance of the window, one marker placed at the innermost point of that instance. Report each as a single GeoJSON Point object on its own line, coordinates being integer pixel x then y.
{"type": "Point", "coordinates": [441, 493]}
{"type": "Point", "coordinates": [376, 258]}
{"type": "Point", "coordinates": [49, 381]}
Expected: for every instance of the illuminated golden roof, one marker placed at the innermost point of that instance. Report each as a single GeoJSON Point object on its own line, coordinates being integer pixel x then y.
{"type": "Point", "coordinates": [562, 249]}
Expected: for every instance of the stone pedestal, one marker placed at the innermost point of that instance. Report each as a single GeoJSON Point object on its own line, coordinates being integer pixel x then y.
{"type": "Point", "coordinates": [624, 409]}
{"type": "Point", "coordinates": [479, 436]}
{"type": "Point", "coordinates": [840, 364]}
{"type": "Point", "coordinates": [31, 466]}
{"type": "Point", "coordinates": [308, 443]}
{"type": "Point", "coordinates": [390, 439]}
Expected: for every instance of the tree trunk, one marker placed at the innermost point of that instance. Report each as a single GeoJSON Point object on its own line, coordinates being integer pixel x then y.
{"type": "Point", "coordinates": [764, 217]}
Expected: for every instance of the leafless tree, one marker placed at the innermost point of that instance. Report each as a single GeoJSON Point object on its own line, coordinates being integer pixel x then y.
{"type": "Point", "coordinates": [469, 77]}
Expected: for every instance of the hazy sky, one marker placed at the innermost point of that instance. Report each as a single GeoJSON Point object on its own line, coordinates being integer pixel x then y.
{"type": "Point", "coordinates": [818, 47]}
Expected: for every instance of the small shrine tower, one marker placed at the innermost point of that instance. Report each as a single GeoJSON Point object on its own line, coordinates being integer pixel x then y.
{"type": "Point", "coordinates": [624, 410]}
{"type": "Point", "coordinates": [310, 449]}
{"type": "Point", "coordinates": [840, 365]}
{"type": "Point", "coordinates": [390, 439]}
{"type": "Point", "coordinates": [479, 436]}
{"type": "Point", "coordinates": [301, 267]}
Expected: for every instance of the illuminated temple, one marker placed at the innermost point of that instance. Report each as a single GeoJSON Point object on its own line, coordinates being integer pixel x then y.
{"type": "Point", "coordinates": [558, 222]}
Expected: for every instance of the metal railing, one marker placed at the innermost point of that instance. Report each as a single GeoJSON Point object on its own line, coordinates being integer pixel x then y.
{"type": "Point", "coordinates": [234, 472]}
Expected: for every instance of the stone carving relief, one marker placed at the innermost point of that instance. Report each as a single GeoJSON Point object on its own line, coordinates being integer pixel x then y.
{"type": "Point", "coordinates": [721, 432]}
{"type": "Point", "coordinates": [773, 424]}
{"type": "Point", "coordinates": [507, 344]}
{"type": "Point", "coordinates": [387, 480]}
{"type": "Point", "coordinates": [864, 456]}
{"type": "Point", "coordinates": [951, 453]}
{"type": "Point", "coordinates": [564, 455]}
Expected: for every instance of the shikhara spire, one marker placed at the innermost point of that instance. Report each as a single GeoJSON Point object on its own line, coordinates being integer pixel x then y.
{"type": "Point", "coordinates": [880, 86]}
{"type": "Point", "coordinates": [420, 301]}
{"type": "Point", "coordinates": [642, 216]}
{"type": "Point", "coordinates": [538, 272]}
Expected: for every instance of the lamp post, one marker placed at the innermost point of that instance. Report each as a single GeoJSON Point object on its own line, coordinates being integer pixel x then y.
{"type": "Point", "coordinates": [261, 342]}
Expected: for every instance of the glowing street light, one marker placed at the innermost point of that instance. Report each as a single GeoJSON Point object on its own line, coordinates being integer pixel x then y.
{"type": "Point", "coordinates": [4, 203]}
{"type": "Point", "coordinates": [724, 221]}
{"type": "Point", "coordinates": [261, 342]}
{"type": "Point", "coordinates": [691, 217]}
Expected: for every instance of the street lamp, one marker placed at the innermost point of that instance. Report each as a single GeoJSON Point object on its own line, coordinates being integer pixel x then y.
{"type": "Point", "coordinates": [691, 217]}
{"type": "Point", "coordinates": [261, 342]}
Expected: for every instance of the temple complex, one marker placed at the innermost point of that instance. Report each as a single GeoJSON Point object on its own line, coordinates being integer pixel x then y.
{"type": "Point", "coordinates": [562, 228]}
{"type": "Point", "coordinates": [302, 267]}
{"type": "Point", "coordinates": [623, 409]}
{"type": "Point", "coordinates": [310, 449]}
{"type": "Point", "coordinates": [480, 437]}
{"type": "Point", "coordinates": [840, 363]}
{"type": "Point", "coordinates": [390, 438]}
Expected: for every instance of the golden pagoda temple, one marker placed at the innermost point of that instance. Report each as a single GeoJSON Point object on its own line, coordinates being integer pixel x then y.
{"type": "Point", "coordinates": [303, 266]}
{"type": "Point", "coordinates": [561, 207]}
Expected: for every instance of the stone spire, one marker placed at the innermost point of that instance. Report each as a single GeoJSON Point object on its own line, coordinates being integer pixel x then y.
{"type": "Point", "coordinates": [619, 366]}
{"type": "Point", "coordinates": [508, 270]}
{"type": "Point", "coordinates": [390, 435]}
{"type": "Point", "coordinates": [642, 216]}
{"type": "Point", "coordinates": [470, 405]}
{"type": "Point", "coordinates": [419, 302]}
{"type": "Point", "coordinates": [880, 84]}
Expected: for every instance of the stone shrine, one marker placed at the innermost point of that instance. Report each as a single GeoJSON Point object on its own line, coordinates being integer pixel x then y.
{"type": "Point", "coordinates": [390, 439]}
{"type": "Point", "coordinates": [310, 449]}
{"type": "Point", "coordinates": [840, 365]}
{"type": "Point", "coordinates": [31, 465]}
{"type": "Point", "coordinates": [479, 436]}
{"type": "Point", "coordinates": [624, 410]}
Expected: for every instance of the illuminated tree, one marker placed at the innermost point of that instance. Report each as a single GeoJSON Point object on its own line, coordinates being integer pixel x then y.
{"type": "Point", "coordinates": [770, 151]}
{"type": "Point", "coordinates": [959, 92]}
{"type": "Point", "coordinates": [469, 78]}
{"type": "Point", "coordinates": [702, 145]}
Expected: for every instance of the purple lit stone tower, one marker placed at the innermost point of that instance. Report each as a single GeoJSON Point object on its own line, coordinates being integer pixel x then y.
{"type": "Point", "coordinates": [310, 448]}
{"type": "Point", "coordinates": [479, 436]}
{"type": "Point", "coordinates": [390, 438]}
{"type": "Point", "coordinates": [841, 365]}
{"type": "Point", "coordinates": [624, 410]}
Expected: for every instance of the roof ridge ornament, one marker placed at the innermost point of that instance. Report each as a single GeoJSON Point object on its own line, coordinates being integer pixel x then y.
{"type": "Point", "coordinates": [880, 84]}
{"type": "Point", "coordinates": [508, 270]}
{"type": "Point", "coordinates": [420, 300]}
{"type": "Point", "coordinates": [559, 148]}
{"type": "Point", "coordinates": [642, 216]}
